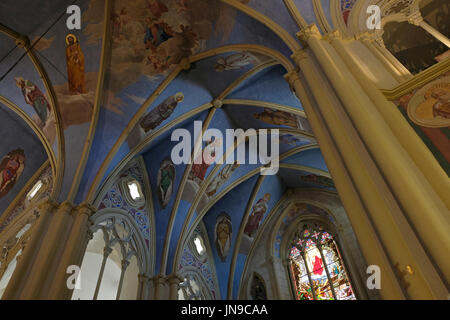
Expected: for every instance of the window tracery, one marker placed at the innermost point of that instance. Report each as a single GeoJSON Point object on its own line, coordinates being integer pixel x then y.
{"type": "Point", "coordinates": [316, 264]}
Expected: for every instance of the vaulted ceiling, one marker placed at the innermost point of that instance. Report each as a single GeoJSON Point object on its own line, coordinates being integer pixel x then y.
{"type": "Point", "coordinates": [229, 54]}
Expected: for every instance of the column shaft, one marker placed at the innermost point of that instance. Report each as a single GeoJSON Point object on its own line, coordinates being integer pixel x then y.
{"type": "Point", "coordinates": [435, 33]}
{"type": "Point", "coordinates": [24, 264]}
{"type": "Point", "coordinates": [416, 197]}
{"type": "Point", "coordinates": [369, 182]}
{"type": "Point", "coordinates": [45, 259]}
{"type": "Point", "coordinates": [371, 246]}
{"type": "Point", "coordinates": [72, 254]}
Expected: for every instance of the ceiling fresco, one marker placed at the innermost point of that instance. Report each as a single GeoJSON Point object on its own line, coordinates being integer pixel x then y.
{"type": "Point", "coordinates": [101, 102]}
{"type": "Point", "coordinates": [21, 155]}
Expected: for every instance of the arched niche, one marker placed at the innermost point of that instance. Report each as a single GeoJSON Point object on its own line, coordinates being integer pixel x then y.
{"type": "Point", "coordinates": [257, 288]}
{"type": "Point", "coordinates": [193, 286]}
{"type": "Point", "coordinates": [266, 254]}
{"type": "Point", "coordinates": [114, 260]}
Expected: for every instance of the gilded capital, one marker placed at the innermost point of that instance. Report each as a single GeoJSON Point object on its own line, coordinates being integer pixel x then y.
{"type": "Point", "coordinates": [299, 55]}
{"type": "Point", "coordinates": [308, 32]}
{"type": "Point", "coordinates": [364, 36]}
{"type": "Point", "coordinates": [291, 77]}
{"type": "Point", "coordinates": [159, 279]}
{"type": "Point", "coordinates": [334, 35]}
{"type": "Point", "coordinates": [85, 208]}
{"type": "Point", "coordinates": [371, 37]}
{"type": "Point", "coordinates": [46, 206]}
{"type": "Point", "coordinates": [415, 18]}
{"type": "Point", "coordinates": [66, 207]}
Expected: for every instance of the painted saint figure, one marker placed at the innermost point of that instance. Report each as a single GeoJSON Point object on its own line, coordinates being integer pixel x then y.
{"type": "Point", "coordinates": [204, 160]}
{"type": "Point", "coordinates": [11, 168]}
{"type": "Point", "coordinates": [166, 176]}
{"type": "Point", "coordinates": [441, 107]}
{"type": "Point", "coordinates": [156, 32]}
{"type": "Point", "coordinates": [35, 98]}
{"type": "Point", "coordinates": [157, 8]}
{"type": "Point", "coordinates": [290, 139]}
{"type": "Point", "coordinates": [235, 61]}
{"type": "Point", "coordinates": [120, 20]}
{"type": "Point", "coordinates": [163, 111]}
{"type": "Point", "coordinates": [223, 232]}
{"type": "Point", "coordinates": [258, 211]}
{"type": "Point", "coordinates": [75, 65]}
{"type": "Point", "coordinates": [320, 180]}
{"type": "Point", "coordinates": [277, 117]}
{"type": "Point", "coordinates": [221, 178]}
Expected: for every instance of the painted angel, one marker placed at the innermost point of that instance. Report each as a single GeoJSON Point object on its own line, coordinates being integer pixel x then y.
{"type": "Point", "coordinates": [221, 178]}
{"type": "Point", "coordinates": [235, 61]}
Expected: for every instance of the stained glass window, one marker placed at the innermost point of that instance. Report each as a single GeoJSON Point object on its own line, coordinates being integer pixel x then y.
{"type": "Point", "coordinates": [317, 268]}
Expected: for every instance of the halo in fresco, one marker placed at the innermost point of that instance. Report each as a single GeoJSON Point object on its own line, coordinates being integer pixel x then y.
{"type": "Point", "coordinates": [11, 168]}
{"type": "Point", "coordinates": [166, 177]}
{"type": "Point", "coordinates": [222, 234]}
{"type": "Point", "coordinates": [430, 105]}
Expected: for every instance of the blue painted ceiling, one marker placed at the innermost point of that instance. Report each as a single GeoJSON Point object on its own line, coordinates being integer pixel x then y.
{"type": "Point", "coordinates": [135, 84]}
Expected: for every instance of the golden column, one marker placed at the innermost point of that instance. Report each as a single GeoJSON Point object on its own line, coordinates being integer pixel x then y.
{"type": "Point", "coordinates": [59, 240]}
{"type": "Point", "coordinates": [407, 212]}
{"type": "Point", "coordinates": [377, 48]}
{"type": "Point", "coordinates": [416, 19]}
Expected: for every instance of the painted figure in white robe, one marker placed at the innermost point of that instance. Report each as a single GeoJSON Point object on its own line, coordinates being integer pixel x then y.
{"type": "Point", "coordinates": [258, 211]}
{"type": "Point", "coordinates": [163, 111]}
{"type": "Point", "coordinates": [235, 61]}
{"type": "Point", "coordinates": [221, 178]}
{"type": "Point", "coordinates": [166, 176]}
{"type": "Point", "coordinates": [35, 98]}
{"type": "Point", "coordinates": [223, 233]}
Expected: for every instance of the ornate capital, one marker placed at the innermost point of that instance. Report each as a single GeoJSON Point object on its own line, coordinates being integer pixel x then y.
{"type": "Point", "coordinates": [66, 207]}
{"type": "Point", "coordinates": [334, 35]}
{"type": "Point", "coordinates": [291, 77]}
{"type": "Point", "coordinates": [415, 18]}
{"type": "Point", "coordinates": [86, 208]}
{"type": "Point", "coordinates": [308, 32]}
{"type": "Point", "coordinates": [173, 278]}
{"type": "Point", "coordinates": [158, 280]}
{"type": "Point", "coordinates": [364, 36]}
{"type": "Point", "coordinates": [47, 206]}
{"type": "Point", "coordinates": [299, 55]}
{"type": "Point", "coordinates": [371, 37]}
{"type": "Point", "coordinates": [143, 278]}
